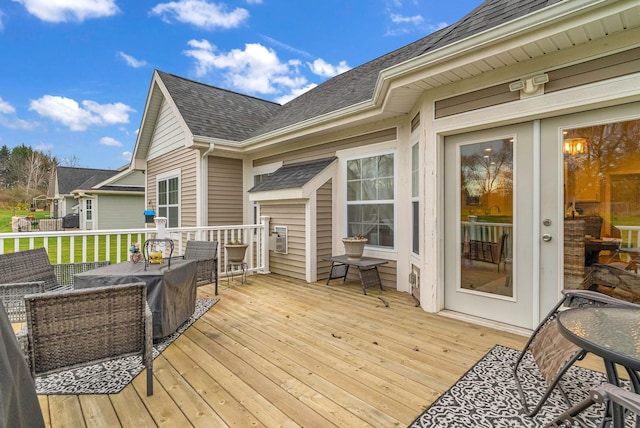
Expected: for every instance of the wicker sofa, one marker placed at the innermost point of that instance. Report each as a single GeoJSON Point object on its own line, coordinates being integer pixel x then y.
{"type": "Point", "coordinates": [73, 328]}
{"type": "Point", "coordinates": [30, 271]}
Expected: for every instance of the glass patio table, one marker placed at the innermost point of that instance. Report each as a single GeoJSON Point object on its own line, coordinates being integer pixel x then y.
{"type": "Point", "coordinates": [613, 333]}
{"type": "Point", "coordinates": [171, 290]}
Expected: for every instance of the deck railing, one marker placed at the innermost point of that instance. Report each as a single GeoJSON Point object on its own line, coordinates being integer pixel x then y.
{"type": "Point", "coordinates": [630, 236]}
{"type": "Point", "coordinates": [68, 246]}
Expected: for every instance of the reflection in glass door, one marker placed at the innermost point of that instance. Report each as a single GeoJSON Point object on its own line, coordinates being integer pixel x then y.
{"type": "Point", "coordinates": [602, 205]}
{"type": "Point", "coordinates": [486, 216]}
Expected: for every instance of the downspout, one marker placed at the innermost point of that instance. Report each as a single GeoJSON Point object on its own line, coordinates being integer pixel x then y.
{"type": "Point", "coordinates": [203, 212]}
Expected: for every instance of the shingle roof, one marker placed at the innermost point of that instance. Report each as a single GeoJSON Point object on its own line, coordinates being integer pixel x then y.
{"type": "Point", "coordinates": [217, 113]}
{"type": "Point", "coordinates": [293, 175]}
{"type": "Point", "coordinates": [70, 178]}
{"type": "Point", "coordinates": [357, 84]}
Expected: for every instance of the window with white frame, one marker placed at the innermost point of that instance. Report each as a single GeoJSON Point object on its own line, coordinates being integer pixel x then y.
{"type": "Point", "coordinates": [169, 200]}
{"type": "Point", "coordinates": [415, 200]}
{"type": "Point", "coordinates": [371, 199]}
{"type": "Point", "coordinates": [88, 209]}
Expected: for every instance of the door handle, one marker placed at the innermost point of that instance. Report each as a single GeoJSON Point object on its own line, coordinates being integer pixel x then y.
{"type": "Point", "coordinates": [546, 237]}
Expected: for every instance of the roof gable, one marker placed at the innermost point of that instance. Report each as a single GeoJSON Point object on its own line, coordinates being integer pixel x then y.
{"type": "Point", "coordinates": [217, 113]}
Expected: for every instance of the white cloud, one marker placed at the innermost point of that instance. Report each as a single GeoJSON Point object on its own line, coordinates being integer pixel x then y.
{"type": "Point", "coordinates": [254, 1]}
{"type": "Point", "coordinates": [9, 120]}
{"type": "Point", "coordinates": [108, 141]}
{"type": "Point", "coordinates": [131, 61]}
{"type": "Point", "coordinates": [69, 10]}
{"type": "Point", "coordinates": [44, 147]}
{"type": "Point", "coordinates": [399, 19]}
{"type": "Point", "coordinates": [324, 69]}
{"type": "Point", "coordinates": [200, 13]}
{"type": "Point", "coordinates": [256, 69]}
{"type": "Point", "coordinates": [126, 155]}
{"type": "Point", "coordinates": [5, 107]}
{"type": "Point", "coordinates": [78, 118]}
{"type": "Point", "coordinates": [295, 93]}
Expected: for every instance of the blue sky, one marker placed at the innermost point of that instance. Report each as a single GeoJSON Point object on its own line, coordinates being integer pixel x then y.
{"type": "Point", "coordinates": [74, 74]}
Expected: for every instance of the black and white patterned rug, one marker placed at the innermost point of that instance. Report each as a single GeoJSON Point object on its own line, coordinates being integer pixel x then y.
{"type": "Point", "coordinates": [486, 396]}
{"type": "Point", "coordinates": [110, 377]}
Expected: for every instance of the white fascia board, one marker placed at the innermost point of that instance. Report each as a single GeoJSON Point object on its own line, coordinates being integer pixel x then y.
{"type": "Point", "coordinates": [278, 195]}
{"type": "Point", "coordinates": [534, 26]}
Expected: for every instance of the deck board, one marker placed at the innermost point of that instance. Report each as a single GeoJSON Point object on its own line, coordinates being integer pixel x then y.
{"type": "Point", "coordinates": [281, 352]}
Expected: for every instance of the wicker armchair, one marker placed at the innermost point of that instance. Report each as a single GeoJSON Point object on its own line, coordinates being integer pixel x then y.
{"type": "Point", "coordinates": [206, 254]}
{"type": "Point", "coordinates": [75, 328]}
{"type": "Point", "coordinates": [30, 271]}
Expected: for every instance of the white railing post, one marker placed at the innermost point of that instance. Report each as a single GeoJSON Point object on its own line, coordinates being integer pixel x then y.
{"type": "Point", "coordinates": [161, 227]}
{"type": "Point", "coordinates": [264, 220]}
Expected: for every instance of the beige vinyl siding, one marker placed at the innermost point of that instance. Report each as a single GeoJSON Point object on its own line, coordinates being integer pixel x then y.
{"type": "Point", "coordinates": [120, 211]}
{"type": "Point", "coordinates": [185, 160]}
{"type": "Point", "coordinates": [329, 149]}
{"type": "Point", "coordinates": [324, 229]}
{"type": "Point", "coordinates": [168, 135]}
{"type": "Point", "coordinates": [135, 178]}
{"type": "Point", "coordinates": [293, 216]}
{"type": "Point", "coordinates": [608, 67]}
{"type": "Point", "coordinates": [596, 70]}
{"type": "Point", "coordinates": [225, 191]}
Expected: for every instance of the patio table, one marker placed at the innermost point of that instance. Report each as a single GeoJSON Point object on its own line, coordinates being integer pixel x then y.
{"type": "Point", "coordinates": [613, 333]}
{"type": "Point", "coordinates": [171, 291]}
{"type": "Point", "coordinates": [367, 268]}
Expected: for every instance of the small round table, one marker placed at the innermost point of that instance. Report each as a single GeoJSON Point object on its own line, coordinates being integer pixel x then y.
{"type": "Point", "coordinates": [610, 332]}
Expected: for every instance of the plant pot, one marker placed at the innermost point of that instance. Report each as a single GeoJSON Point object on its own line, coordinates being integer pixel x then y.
{"type": "Point", "coordinates": [235, 252]}
{"type": "Point", "coordinates": [354, 247]}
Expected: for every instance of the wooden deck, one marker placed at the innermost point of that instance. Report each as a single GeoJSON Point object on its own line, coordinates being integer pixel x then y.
{"type": "Point", "coordinates": [281, 352]}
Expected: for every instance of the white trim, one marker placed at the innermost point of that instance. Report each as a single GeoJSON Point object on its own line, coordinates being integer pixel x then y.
{"type": "Point", "coordinates": [394, 201]}
{"type": "Point", "coordinates": [537, 147]}
{"type": "Point", "coordinates": [310, 238]}
{"type": "Point", "coordinates": [166, 176]}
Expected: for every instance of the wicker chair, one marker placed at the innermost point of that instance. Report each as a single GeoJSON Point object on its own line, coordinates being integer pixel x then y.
{"type": "Point", "coordinates": [206, 254]}
{"type": "Point", "coordinates": [75, 328]}
{"type": "Point", "coordinates": [34, 266]}
{"type": "Point", "coordinates": [30, 271]}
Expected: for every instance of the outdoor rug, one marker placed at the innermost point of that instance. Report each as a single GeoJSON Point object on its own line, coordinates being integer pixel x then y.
{"type": "Point", "coordinates": [486, 396]}
{"type": "Point", "coordinates": [110, 377]}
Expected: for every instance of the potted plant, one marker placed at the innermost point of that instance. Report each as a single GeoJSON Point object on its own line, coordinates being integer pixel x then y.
{"type": "Point", "coordinates": [354, 246]}
{"type": "Point", "coordinates": [235, 251]}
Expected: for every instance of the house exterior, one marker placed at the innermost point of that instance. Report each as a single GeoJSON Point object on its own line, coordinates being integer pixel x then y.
{"type": "Point", "coordinates": [468, 157]}
{"type": "Point", "coordinates": [102, 199]}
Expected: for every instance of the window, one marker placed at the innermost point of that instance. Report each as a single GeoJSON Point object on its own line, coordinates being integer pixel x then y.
{"type": "Point", "coordinates": [415, 200]}
{"type": "Point", "coordinates": [168, 201]}
{"type": "Point", "coordinates": [88, 209]}
{"type": "Point", "coordinates": [370, 199]}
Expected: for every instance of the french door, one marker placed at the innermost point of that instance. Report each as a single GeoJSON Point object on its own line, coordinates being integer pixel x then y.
{"type": "Point", "coordinates": [489, 212]}
{"type": "Point", "coordinates": [533, 208]}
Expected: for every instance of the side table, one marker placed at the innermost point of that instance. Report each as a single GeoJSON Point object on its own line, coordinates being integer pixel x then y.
{"type": "Point", "coordinates": [367, 268]}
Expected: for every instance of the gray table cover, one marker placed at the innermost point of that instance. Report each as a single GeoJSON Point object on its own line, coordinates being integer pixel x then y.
{"type": "Point", "coordinates": [171, 292]}
{"type": "Point", "coordinates": [19, 405]}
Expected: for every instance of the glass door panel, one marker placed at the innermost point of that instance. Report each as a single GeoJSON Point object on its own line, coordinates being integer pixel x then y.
{"type": "Point", "coordinates": [601, 202]}
{"type": "Point", "coordinates": [486, 216]}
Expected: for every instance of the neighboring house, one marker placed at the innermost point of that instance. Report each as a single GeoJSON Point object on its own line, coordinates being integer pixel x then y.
{"type": "Point", "coordinates": [457, 155]}
{"type": "Point", "coordinates": [102, 199]}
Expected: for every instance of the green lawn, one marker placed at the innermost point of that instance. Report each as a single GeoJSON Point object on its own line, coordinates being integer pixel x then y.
{"type": "Point", "coordinates": [65, 242]}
